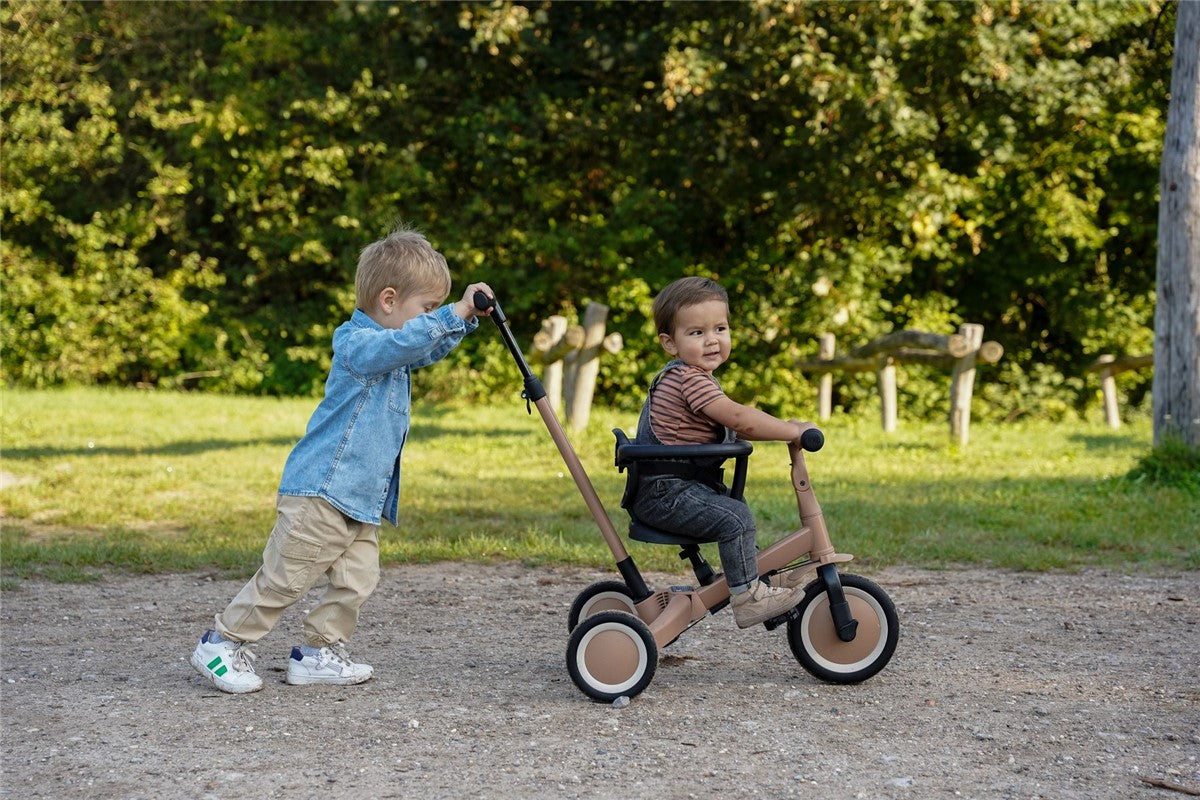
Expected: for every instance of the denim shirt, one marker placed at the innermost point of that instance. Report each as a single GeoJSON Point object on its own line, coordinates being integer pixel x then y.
{"type": "Point", "coordinates": [350, 453]}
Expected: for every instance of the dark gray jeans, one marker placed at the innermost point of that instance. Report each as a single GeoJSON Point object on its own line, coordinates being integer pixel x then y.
{"type": "Point", "coordinates": [689, 508]}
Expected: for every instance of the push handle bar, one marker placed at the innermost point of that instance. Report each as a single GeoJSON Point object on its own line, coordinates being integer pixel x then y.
{"type": "Point", "coordinates": [534, 390]}
{"type": "Point", "coordinates": [535, 394]}
{"type": "Point", "coordinates": [483, 303]}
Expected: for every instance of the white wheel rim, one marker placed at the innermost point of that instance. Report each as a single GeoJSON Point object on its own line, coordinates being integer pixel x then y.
{"type": "Point", "coordinates": [592, 680]}
{"type": "Point", "coordinates": [834, 666]}
{"type": "Point", "coordinates": [623, 599]}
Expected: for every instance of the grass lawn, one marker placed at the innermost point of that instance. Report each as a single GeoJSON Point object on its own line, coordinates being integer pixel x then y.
{"type": "Point", "coordinates": [95, 480]}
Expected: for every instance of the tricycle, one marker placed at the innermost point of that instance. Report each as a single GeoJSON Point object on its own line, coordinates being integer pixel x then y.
{"type": "Point", "coordinates": [843, 630]}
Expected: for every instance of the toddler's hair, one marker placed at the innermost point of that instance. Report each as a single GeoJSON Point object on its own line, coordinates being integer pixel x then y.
{"type": "Point", "coordinates": [403, 260]}
{"type": "Point", "coordinates": [681, 294]}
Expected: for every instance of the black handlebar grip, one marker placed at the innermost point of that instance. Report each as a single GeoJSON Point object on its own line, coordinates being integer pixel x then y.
{"type": "Point", "coordinates": [812, 440]}
{"type": "Point", "coordinates": [483, 303]}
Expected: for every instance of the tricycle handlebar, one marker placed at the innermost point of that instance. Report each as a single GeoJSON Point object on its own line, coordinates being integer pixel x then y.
{"type": "Point", "coordinates": [811, 438]}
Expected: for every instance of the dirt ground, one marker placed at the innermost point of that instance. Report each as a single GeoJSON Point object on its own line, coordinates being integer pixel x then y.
{"type": "Point", "coordinates": [1004, 685]}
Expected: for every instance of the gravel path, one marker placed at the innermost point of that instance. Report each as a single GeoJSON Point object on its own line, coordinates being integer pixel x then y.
{"type": "Point", "coordinates": [1004, 685]}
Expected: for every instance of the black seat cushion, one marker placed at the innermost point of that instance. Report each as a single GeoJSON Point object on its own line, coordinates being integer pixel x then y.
{"type": "Point", "coordinates": [644, 533]}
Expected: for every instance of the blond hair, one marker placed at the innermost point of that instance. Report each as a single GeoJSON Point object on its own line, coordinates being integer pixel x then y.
{"type": "Point", "coordinates": [403, 260]}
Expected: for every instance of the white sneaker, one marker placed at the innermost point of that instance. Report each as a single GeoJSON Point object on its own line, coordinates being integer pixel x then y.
{"type": "Point", "coordinates": [331, 665]}
{"type": "Point", "coordinates": [228, 665]}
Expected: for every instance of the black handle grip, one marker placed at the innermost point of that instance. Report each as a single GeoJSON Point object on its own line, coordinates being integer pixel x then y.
{"type": "Point", "coordinates": [812, 440]}
{"type": "Point", "coordinates": [483, 303]}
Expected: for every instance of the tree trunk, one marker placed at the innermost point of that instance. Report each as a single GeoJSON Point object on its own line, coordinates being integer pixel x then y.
{"type": "Point", "coordinates": [587, 366]}
{"type": "Point", "coordinates": [1176, 385]}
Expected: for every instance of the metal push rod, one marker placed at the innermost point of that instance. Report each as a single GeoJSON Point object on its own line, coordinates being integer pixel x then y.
{"type": "Point", "coordinates": [534, 392]}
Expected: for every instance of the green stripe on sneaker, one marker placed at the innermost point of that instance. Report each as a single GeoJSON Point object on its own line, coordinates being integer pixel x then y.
{"type": "Point", "coordinates": [212, 665]}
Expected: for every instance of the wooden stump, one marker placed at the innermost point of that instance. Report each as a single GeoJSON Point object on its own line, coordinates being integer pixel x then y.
{"type": "Point", "coordinates": [547, 343]}
{"type": "Point", "coordinates": [585, 367]}
{"type": "Point", "coordinates": [962, 384]}
{"type": "Point", "coordinates": [1108, 388]}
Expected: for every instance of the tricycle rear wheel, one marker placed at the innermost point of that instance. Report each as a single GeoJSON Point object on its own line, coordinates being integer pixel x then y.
{"type": "Point", "coordinates": [611, 654]}
{"type": "Point", "coordinates": [601, 596]}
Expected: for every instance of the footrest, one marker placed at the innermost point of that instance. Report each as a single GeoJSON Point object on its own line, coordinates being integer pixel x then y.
{"type": "Point", "coordinates": [782, 619]}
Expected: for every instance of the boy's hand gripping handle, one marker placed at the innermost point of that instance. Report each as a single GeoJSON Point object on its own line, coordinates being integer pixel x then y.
{"type": "Point", "coordinates": [483, 303]}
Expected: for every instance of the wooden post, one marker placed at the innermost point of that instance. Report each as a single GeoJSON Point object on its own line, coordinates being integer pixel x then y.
{"type": "Point", "coordinates": [555, 329]}
{"type": "Point", "coordinates": [962, 384]}
{"type": "Point", "coordinates": [887, 394]}
{"type": "Point", "coordinates": [570, 373]}
{"type": "Point", "coordinates": [1108, 366]}
{"type": "Point", "coordinates": [825, 395]}
{"type": "Point", "coordinates": [614, 343]}
{"type": "Point", "coordinates": [1108, 388]}
{"type": "Point", "coordinates": [586, 366]}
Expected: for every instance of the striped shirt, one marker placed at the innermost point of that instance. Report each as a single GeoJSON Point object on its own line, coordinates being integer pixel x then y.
{"type": "Point", "coordinates": [676, 407]}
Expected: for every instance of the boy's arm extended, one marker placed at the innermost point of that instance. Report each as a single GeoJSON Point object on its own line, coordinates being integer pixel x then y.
{"type": "Point", "coordinates": [751, 423]}
{"type": "Point", "coordinates": [423, 340]}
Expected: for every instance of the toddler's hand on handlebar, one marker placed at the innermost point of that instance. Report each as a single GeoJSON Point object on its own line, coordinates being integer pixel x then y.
{"type": "Point", "coordinates": [466, 308]}
{"type": "Point", "coordinates": [808, 436]}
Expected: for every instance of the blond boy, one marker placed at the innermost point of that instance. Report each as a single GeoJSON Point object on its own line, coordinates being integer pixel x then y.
{"type": "Point", "coordinates": [343, 475]}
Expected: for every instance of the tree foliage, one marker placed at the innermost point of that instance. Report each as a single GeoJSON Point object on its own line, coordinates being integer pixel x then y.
{"type": "Point", "coordinates": [186, 186]}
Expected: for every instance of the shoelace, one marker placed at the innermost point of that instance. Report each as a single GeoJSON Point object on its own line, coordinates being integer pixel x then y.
{"type": "Point", "coordinates": [339, 653]}
{"type": "Point", "coordinates": [242, 659]}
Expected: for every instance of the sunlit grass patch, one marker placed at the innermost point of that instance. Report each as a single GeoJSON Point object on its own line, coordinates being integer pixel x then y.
{"type": "Point", "coordinates": [97, 480]}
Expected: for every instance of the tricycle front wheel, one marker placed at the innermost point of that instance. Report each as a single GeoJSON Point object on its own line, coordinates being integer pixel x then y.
{"type": "Point", "coordinates": [817, 646]}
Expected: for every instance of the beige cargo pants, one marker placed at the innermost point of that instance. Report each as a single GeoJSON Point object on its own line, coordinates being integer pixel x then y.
{"type": "Point", "coordinates": [311, 538]}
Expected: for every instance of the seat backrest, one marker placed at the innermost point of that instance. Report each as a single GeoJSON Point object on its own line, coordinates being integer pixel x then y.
{"type": "Point", "coordinates": [631, 480]}
{"type": "Point", "coordinates": [628, 456]}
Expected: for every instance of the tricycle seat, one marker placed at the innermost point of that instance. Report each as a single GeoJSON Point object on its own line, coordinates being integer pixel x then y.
{"type": "Point", "coordinates": [704, 459]}
{"type": "Point", "coordinates": [635, 458]}
{"type": "Point", "coordinates": [644, 533]}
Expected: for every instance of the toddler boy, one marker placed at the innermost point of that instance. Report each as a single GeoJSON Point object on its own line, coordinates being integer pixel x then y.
{"type": "Point", "coordinates": [686, 405]}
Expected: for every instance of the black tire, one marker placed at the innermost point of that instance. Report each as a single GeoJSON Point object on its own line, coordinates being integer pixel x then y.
{"type": "Point", "coordinates": [601, 596]}
{"type": "Point", "coordinates": [611, 654]}
{"type": "Point", "coordinates": [815, 643]}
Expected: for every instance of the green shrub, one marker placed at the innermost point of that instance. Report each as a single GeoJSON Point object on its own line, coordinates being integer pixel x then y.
{"type": "Point", "coordinates": [1171, 463]}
